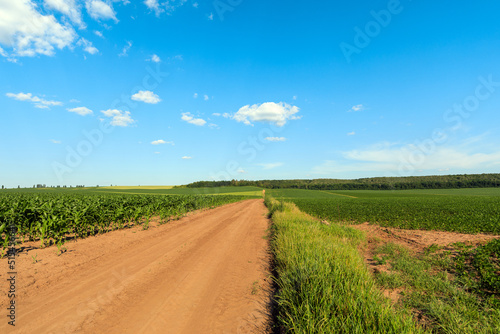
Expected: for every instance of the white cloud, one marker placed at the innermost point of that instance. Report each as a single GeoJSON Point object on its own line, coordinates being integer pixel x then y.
{"type": "Point", "coordinates": [157, 152]}
{"type": "Point", "coordinates": [168, 6]}
{"type": "Point", "coordinates": [241, 171]}
{"type": "Point", "coordinates": [195, 95]}
{"type": "Point", "coordinates": [53, 141]}
{"type": "Point", "coordinates": [154, 58]}
{"type": "Point", "coordinates": [154, 6]}
{"type": "Point", "coordinates": [351, 133]}
{"type": "Point", "coordinates": [98, 33]}
{"type": "Point", "coordinates": [161, 142]}
{"type": "Point", "coordinates": [82, 111]}
{"type": "Point", "coordinates": [87, 46]}
{"type": "Point", "coordinates": [187, 158]}
{"type": "Point", "coordinates": [188, 117]}
{"type": "Point", "coordinates": [211, 17]}
{"type": "Point", "coordinates": [125, 50]}
{"type": "Point", "coordinates": [39, 102]}
{"type": "Point", "coordinates": [358, 107]}
{"type": "Point", "coordinates": [68, 8]}
{"type": "Point", "coordinates": [205, 97]}
{"type": "Point", "coordinates": [216, 114]}
{"type": "Point", "coordinates": [30, 33]}
{"type": "Point", "coordinates": [405, 159]}
{"type": "Point", "coordinates": [195, 5]}
{"type": "Point", "coordinates": [100, 10]}
{"type": "Point", "coordinates": [271, 165]}
{"type": "Point", "coordinates": [275, 138]}
{"type": "Point", "coordinates": [275, 113]}
{"type": "Point", "coordinates": [295, 97]}
{"type": "Point", "coordinates": [146, 96]}
{"type": "Point", "coordinates": [119, 117]}
{"type": "Point", "coordinates": [74, 101]}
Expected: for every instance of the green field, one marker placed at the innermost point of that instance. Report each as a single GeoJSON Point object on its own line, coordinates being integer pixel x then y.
{"type": "Point", "coordinates": [458, 210]}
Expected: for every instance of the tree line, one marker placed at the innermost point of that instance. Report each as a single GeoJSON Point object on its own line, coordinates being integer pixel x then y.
{"type": "Point", "coordinates": [375, 183]}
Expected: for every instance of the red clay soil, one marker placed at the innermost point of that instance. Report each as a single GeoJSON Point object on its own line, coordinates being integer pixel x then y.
{"type": "Point", "coordinates": [205, 273]}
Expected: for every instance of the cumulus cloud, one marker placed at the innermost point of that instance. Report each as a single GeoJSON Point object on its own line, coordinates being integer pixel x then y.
{"type": "Point", "coordinates": [100, 10]}
{"type": "Point", "coordinates": [82, 111]}
{"type": "Point", "coordinates": [87, 46]}
{"type": "Point", "coordinates": [358, 107]}
{"type": "Point", "coordinates": [270, 112]}
{"type": "Point", "coordinates": [187, 158]}
{"type": "Point", "coordinates": [98, 33]}
{"type": "Point", "coordinates": [188, 117]}
{"type": "Point", "coordinates": [68, 8]}
{"type": "Point", "coordinates": [271, 165]}
{"type": "Point", "coordinates": [161, 142]}
{"type": "Point", "coordinates": [146, 96]}
{"type": "Point", "coordinates": [275, 138]}
{"type": "Point", "coordinates": [38, 102]}
{"type": "Point", "coordinates": [29, 33]}
{"type": "Point", "coordinates": [118, 117]}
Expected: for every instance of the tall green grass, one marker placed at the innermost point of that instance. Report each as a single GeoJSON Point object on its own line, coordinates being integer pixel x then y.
{"type": "Point", "coordinates": [323, 284]}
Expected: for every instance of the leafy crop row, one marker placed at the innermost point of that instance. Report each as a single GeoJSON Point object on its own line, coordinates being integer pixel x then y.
{"type": "Point", "coordinates": [52, 218]}
{"type": "Point", "coordinates": [465, 214]}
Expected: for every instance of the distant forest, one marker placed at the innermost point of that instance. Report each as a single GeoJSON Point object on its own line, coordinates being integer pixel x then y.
{"type": "Point", "coordinates": [374, 183]}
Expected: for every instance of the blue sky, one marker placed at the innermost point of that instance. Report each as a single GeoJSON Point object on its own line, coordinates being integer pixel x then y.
{"type": "Point", "coordinates": [169, 92]}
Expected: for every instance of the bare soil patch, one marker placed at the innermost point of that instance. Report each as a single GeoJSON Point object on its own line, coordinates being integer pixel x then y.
{"type": "Point", "coordinates": [417, 241]}
{"type": "Point", "coordinates": [205, 273]}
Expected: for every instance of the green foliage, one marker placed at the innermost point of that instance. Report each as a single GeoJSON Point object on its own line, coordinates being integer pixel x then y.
{"type": "Point", "coordinates": [51, 218]}
{"type": "Point", "coordinates": [376, 183]}
{"type": "Point", "coordinates": [444, 289]}
{"type": "Point", "coordinates": [454, 210]}
{"type": "Point", "coordinates": [323, 284]}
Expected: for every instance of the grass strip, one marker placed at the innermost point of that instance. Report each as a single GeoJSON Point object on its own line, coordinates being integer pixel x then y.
{"type": "Point", "coordinates": [323, 284]}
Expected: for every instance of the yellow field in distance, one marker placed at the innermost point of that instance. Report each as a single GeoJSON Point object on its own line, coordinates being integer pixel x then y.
{"type": "Point", "coordinates": [138, 187]}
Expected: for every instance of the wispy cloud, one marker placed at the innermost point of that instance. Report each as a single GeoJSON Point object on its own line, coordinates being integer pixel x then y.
{"type": "Point", "coordinates": [357, 107]}
{"type": "Point", "coordinates": [118, 117]}
{"type": "Point", "coordinates": [205, 97]}
{"type": "Point", "coordinates": [186, 158]}
{"type": "Point", "coordinates": [37, 101]}
{"type": "Point", "coordinates": [125, 49]}
{"type": "Point", "coordinates": [154, 58]}
{"type": "Point", "coordinates": [100, 10]}
{"type": "Point", "coordinates": [275, 138]}
{"type": "Point", "coordinates": [195, 95]}
{"type": "Point", "coordinates": [271, 165]}
{"type": "Point", "coordinates": [351, 133]}
{"type": "Point", "coordinates": [87, 46]}
{"type": "Point", "coordinates": [162, 142]}
{"type": "Point", "coordinates": [82, 111]}
{"type": "Point", "coordinates": [53, 141]}
{"type": "Point", "coordinates": [188, 117]}
{"type": "Point", "coordinates": [396, 159]}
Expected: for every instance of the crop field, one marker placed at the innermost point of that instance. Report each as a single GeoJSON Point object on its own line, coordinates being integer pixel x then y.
{"type": "Point", "coordinates": [457, 210]}
{"type": "Point", "coordinates": [52, 217]}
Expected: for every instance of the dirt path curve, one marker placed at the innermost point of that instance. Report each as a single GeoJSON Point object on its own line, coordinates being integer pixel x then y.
{"type": "Point", "coordinates": [205, 273]}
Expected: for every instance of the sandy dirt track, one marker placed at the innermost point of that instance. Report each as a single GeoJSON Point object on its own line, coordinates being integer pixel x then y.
{"type": "Point", "coordinates": [205, 273]}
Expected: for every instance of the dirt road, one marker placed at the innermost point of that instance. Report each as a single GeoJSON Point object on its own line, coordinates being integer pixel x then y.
{"type": "Point", "coordinates": [205, 273]}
